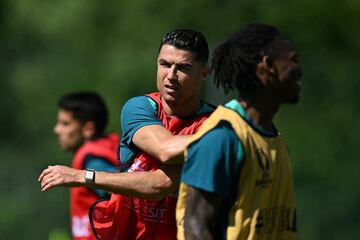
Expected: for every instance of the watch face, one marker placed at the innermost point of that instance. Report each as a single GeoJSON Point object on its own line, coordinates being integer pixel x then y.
{"type": "Point", "coordinates": [89, 175]}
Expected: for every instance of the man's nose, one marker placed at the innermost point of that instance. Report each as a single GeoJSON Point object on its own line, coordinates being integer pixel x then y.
{"type": "Point", "coordinates": [299, 72]}
{"type": "Point", "coordinates": [172, 74]}
{"type": "Point", "coordinates": [56, 129]}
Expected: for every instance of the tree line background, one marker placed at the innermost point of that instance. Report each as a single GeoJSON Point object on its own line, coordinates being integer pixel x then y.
{"type": "Point", "coordinates": [48, 48]}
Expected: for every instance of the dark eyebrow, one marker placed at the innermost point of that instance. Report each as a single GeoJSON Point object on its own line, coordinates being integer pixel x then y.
{"type": "Point", "coordinates": [178, 65]}
{"type": "Point", "coordinates": [186, 65]}
{"type": "Point", "coordinates": [161, 60]}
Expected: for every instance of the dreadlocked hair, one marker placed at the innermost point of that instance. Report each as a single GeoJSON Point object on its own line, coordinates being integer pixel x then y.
{"type": "Point", "coordinates": [234, 61]}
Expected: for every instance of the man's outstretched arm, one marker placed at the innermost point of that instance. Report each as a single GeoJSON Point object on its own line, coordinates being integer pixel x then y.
{"type": "Point", "coordinates": [150, 185]}
{"type": "Point", "coordinates": [157, 141]}
{"type": "Point", "coordinates": [142, 128]}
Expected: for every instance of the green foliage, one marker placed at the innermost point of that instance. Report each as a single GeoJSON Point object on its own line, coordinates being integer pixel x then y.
{"type": "Point", "coordinates": [48, 48]}
{"type": "Point", "coordinates": [59, 234]}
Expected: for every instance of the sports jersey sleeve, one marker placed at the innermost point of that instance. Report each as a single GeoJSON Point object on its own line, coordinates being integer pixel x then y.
{"type": "Point", "coordinates": [213, 162]}
{"type": "Point", "coordinates": [136, 113]}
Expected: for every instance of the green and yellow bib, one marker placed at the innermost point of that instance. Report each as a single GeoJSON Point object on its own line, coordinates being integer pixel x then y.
{"type": "Point", "coordinates": [265, 203]}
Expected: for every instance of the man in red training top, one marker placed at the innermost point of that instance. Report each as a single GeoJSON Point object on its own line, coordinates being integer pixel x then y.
{"type": "Point", "coordinates": [154, 128]}
{"type": "Point", "coordinates": [81, 121]}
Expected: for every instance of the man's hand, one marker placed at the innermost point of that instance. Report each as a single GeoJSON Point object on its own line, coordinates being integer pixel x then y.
{"type": "Point", "coordinates": [54, 176]}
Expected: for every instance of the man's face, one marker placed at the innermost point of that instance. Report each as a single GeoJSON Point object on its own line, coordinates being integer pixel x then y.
{"type": "Point", "coordinates": [68, 131]}
{"type": "Point", "coordinates": [288, 72]}
{"type": "Point", "coordinates": [179, 75]}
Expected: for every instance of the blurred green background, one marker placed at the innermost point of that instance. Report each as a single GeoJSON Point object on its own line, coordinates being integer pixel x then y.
{"type": "Point", "coordinates": [48, 48]}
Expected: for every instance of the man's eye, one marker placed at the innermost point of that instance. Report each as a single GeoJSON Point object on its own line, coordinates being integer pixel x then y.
{"type": "Point", "coordinates": [165, 64]}
{"type": "Point", "coordinates": [184, 68]}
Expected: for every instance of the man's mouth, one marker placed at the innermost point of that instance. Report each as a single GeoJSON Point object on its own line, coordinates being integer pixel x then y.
{"type": "Point", "coordinates": [171, 87]}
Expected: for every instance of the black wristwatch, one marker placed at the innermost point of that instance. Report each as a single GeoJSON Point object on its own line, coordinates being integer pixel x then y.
{"type": "Point", "coordinates": [89, 176]}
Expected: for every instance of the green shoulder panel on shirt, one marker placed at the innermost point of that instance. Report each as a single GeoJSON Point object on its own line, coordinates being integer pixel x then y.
{"type": "Point", "coordinates": [234, 105]}
{"type": "Point", "coordinates": [153, 103]}
{"type": "Point", "coordinates": [214, 161]}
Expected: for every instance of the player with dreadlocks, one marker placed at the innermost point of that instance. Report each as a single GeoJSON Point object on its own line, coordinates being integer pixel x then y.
{"type": "Point", "coordinates": [237, 181]}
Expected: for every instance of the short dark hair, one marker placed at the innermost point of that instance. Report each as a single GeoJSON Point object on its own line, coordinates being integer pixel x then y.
{"type": "Point", "coordinates": [189, 40]}
{"type": "Point", "coordinates": [234, 61]}
{"type": "Point", "coordinates": [86, 106]}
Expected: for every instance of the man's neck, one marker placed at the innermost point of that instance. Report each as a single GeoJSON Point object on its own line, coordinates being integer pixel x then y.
{"type": "Point", "coordinates": [260, 110]}
{"type": "Point", "coordinates": [181, 110]}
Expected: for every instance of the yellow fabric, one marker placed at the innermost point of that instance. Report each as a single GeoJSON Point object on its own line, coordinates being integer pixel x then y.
{"type": "Point", "coordinates": [265, 203]}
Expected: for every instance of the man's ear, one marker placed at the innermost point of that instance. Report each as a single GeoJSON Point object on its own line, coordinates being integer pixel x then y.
{"type": "Point", "coordinates": [205, 72]}
{"type": "Point", "coordinates": [88, 130]}
{"type": "Point", "coordinates": [268, 63]}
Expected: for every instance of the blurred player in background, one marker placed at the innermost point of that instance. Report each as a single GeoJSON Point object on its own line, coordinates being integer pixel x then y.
{"type": "Point", "coordinates": [80, 128]}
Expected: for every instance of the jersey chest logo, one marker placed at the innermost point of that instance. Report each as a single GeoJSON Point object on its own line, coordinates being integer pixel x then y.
{"type": "Point", "coordinates": [264, 165]}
